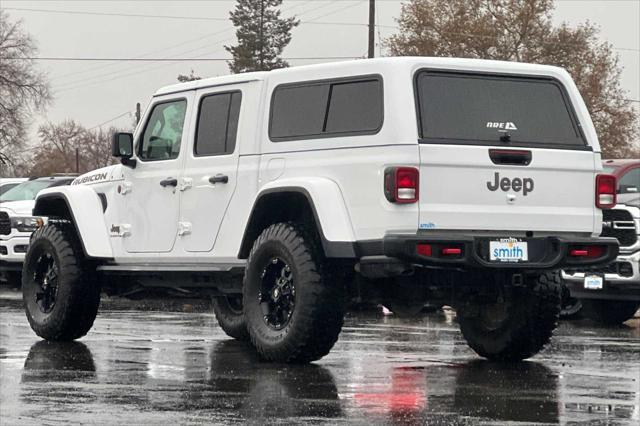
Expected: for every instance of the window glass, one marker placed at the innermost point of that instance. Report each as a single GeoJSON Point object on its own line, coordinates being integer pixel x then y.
{"type": "Point", "coordinates": [354, 107]}
{"type": "Point", "coordinates": [630, 182]}
{"type": "Point", "coordinates": [28, 190]}
{"type": "Point", "coordinates": [475, 108]}
{"type": "Point", "coordinates": [5, 188]}
{"type": "Point", "coordinates": [217, 124]}
{"type": "Point", "coordinates": [298, 111]}
{"type": "Point", "coordinates": [163, 134]}
{"type": "Point", "coordinates": [314, 110]}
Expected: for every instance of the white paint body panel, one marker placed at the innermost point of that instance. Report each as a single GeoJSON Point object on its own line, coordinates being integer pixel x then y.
{"type": "Point", "coordinates": [87, 213]}
{"type": "Point", "coordinates": [343, 175]}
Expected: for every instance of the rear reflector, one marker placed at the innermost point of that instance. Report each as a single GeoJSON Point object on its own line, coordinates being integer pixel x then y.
{"type": "Point", "coordinates": [401, 184]}
{"type": "Point", "coordinates": [424, 249]}
{"type": "Point", "coordinates": [449, 251]}
{"type": "Point", "coordinates": [606, 191]}
{"type": "Point", "coordinates": [590, 252]}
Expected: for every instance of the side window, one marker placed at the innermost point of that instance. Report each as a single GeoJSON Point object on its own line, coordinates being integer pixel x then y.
{"type": "Point", "coordinates": [355, 107]}
{"type": "Point", "coordinates": [630, 182]}
{"type": "Point", "coordinates": [326, 109]}
{"type": "Point", "coordinates": [298, 111]}
{"type": "Point", "coordinates": [217, 124]}
{"type": "Point", "coordinates": [163, 133]}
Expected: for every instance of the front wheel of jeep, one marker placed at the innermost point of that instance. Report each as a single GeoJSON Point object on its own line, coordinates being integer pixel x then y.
{"type": "Point", "coordinates": [60, 291]}
{"type": "Point", "coordinates": [517, 322]}
{"type": "Point", "coordinates": [293, 310]}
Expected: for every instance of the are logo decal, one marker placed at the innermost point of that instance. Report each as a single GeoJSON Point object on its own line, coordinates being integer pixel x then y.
{"type": "Point", "coordinates": [501, 125]}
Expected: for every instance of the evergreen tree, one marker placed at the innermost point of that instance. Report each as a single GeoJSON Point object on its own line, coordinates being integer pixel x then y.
{"type": "Point", "coordinates": [262, 35]}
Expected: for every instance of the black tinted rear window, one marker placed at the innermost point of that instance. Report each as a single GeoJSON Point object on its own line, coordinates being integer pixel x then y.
{"type": "Point", "coordinates": [457, 107]}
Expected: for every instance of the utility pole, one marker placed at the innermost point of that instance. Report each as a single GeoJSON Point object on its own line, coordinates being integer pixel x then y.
{"type": "Point", "coordinates": [77, 160]}
{"type": "Point", "coordinates": [372, 27]}
{"type": "Point", "coordinates": [137, 112]}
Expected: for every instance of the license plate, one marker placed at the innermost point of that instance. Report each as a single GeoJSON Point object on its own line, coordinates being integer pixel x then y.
{"type": "Point", "coordinates": [508, 250]}
{"type": "Point", "coordinates": [593, 282]}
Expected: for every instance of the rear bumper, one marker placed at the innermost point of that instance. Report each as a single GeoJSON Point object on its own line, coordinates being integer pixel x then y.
{"type": "Point", "coordinates": [544, 252]}
{"type": "Point", "coordinates": [616, 286]}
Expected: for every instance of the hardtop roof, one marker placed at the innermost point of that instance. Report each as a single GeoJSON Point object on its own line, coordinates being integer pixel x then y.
{"type": "Point", "coordinates": [371, 66]}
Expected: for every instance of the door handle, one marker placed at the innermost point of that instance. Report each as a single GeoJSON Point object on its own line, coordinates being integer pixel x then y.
{"type": "Point", "coordinates": [169, 182]}
{"type": "Point", "coordinates": [219, 178]}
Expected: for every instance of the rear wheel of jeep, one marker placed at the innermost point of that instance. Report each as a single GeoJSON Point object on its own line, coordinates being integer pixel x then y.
{"type": "Point", "coordinates": [228, 310]}
{"type": "Point", "coordinates": [293, 310]}
{"type": "Point", "coordinates": [59, 287]}
{"type": "Point", "coordinates": [571, 307]}
{"type": "Point", "coordinates": [517, 323]}
{"type": "Point", "coordinates": [609, 312]}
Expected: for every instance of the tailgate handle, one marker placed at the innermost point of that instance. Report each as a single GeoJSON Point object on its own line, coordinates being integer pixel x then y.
{"type": "Point", "coordinates": [513, 157]}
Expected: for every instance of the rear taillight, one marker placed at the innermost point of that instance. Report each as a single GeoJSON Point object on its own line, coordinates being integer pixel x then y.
{"type": "Point", "coordinates": [401, 184]}
{"type": "Point", "coordinates": [605, 191]}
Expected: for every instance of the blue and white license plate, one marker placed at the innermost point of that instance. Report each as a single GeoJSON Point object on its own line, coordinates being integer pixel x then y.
{"type": "Point", "coordinates": [508, 250]}
{"type": "Point", "coordinates": [593, 282]}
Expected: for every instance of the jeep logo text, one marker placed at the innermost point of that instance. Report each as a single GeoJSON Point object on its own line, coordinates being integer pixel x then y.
{"type": "Point", "coordinates": [516, 184]}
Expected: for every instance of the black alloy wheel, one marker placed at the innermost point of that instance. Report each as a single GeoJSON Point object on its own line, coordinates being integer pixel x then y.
{"type": "Point", "coordinates": [46, 277]}
{"type": "Point", "coordinates": [277, 293]}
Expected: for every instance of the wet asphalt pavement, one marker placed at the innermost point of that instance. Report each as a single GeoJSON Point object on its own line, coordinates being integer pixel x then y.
{"type": "Point", "coordinates": [154, 367]}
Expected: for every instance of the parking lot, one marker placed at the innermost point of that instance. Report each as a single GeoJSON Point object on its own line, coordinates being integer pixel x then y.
{"type": "Point", "coordinates": [171, 364]}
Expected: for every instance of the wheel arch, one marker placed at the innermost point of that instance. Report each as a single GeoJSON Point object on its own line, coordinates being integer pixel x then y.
{"type": "Point", "coordinates": [296, 203]}
{"type": "Point", "coordinates": [84, 209]}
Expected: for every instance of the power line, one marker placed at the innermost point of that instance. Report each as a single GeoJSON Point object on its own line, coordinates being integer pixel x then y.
{"type": "Point", "coordinates": [98, 79]}
{"type": "Point", "coordinates": [69, 58]}
{"type": "Point", "coordinates": [312, 22]}
{"type": "Point", "coordinates": [192, 18]}
{"type": "Point", "coordinates": [109, 121]}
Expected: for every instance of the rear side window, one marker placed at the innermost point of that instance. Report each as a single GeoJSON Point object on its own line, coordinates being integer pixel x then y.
{"type": "Point", "coordinates": [217, 124]}
{"type": "Point", "coordinates": [326, 109]}
{"type": "Point", "coordinates": [485, 109]}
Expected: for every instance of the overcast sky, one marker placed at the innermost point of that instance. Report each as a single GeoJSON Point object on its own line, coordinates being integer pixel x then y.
{"type": "Point", "coordinates": [95, 92]}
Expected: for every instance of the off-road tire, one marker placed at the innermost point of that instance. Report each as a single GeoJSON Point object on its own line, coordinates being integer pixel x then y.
{"type": "Point", "coordinates": [230, 317]}
{"type": "Point", "coordinates": [532, 314]}
{"type": "Point", "coordinates": [609, 312]}
{"type": "Point", "coordinates": [78, 290]}
{"type": "Point", "coordinates": [571, 308]}
{"type": "Point", "coordinates": [318, 312]}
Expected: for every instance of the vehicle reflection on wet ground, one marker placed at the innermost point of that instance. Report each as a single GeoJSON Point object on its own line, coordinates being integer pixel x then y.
{"type": "Point", "coordinates": [178, 368]}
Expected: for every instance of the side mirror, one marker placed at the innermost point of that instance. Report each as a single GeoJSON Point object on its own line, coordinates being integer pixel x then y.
{"type": "Point", "coordinates": [122, 147]}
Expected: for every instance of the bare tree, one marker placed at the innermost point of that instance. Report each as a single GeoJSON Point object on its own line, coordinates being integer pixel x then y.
{"type": "Point", "coordinates": [183, 78]}
{"type": "Point", "coordinates": [23, 89]}
{"type": "Point", "coordinates": [56, 152]}
{"type": "Point", "coordinates": [523, 31]}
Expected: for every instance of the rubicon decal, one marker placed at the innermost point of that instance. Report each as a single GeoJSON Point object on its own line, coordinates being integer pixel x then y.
{"type": "Point", "coordinates": [525, 185]}
{"type": "Point", "coordinates": [91, 178]}
{"type": "Point", "coordinates": [504, 125]}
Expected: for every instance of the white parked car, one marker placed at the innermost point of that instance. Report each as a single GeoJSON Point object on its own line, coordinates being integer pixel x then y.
{"type": "Point", "coordinates": [17, 223]}
{"type": "Point", "coordinates": [280, 193]}
{"type": "Point", "coordinates": [8, 183]}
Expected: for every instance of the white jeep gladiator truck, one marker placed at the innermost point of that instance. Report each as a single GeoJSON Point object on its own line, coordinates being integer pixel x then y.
{"type": "Point", "coordinates": [283, 194]}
